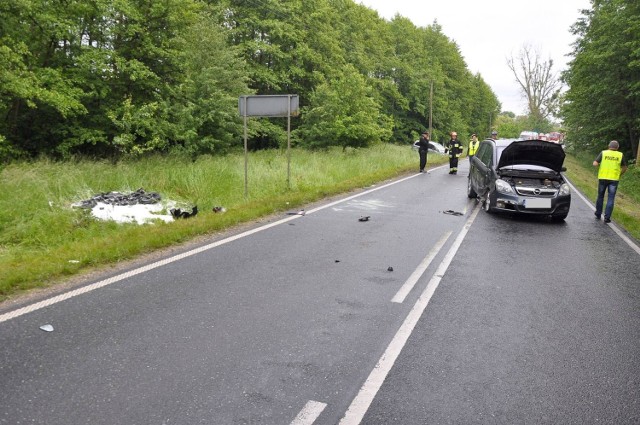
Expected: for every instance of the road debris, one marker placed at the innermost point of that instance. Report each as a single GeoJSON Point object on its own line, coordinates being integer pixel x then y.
{"type": "Point", "coordinates": [452, 212]}
{"type": "Point", "coordinates": [140, 196]}
{"type": "Point", "coordinates": [47, 328]}
{"type": "Point", "coordinates": [365, 218]}
{"type": "Point", "coordinates": [134, 207]}
{"type": "Point", "coordinates": [179, 213]}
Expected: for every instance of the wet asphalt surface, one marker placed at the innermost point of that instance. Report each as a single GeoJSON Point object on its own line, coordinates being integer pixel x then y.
{"type": "Point", "coordinates": [533, 322]}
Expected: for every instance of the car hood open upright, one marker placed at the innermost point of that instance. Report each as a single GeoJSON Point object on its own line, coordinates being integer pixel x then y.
{"type": "Point", "coordinates": [533, 152]}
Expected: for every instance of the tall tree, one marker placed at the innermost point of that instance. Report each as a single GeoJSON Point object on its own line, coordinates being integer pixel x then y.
{"type": "Point", "coordinates": [539, 84]}
{"type": "Point", "coordinates": [344, 112]}
{"type": "Point", "coordinates": [206, 109]}
{"type": "Point", "coordinates": [603, 100]}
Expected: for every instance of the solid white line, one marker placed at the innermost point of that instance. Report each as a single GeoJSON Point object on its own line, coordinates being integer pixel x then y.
{"type": "Point", "coordinates": [615, 228]}
{"type": "Point", "coordinates": [586, 201]}
{"type": "Point", "coordinates": [362, 193]}
{"type": "Point", "coordinates": [369, 389]}
{"type": "Point", "coordinates": [413, 279]}
{"type": "Point", "coordinates": [54, 300]}
{"type": "Point", "coordinates": [309, 413]}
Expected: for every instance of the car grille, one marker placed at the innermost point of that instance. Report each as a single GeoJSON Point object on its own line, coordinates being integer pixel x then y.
{"type": "Point", "coordinates": [536, 191]}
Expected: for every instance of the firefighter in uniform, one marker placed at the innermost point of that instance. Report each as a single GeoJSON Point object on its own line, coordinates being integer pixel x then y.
{"type": "Point", "coordinates": [455, 150]}
{"type": "Point", "coordinates": [612, 166]}
{"type": "Point", "coordinates": [473, 145]}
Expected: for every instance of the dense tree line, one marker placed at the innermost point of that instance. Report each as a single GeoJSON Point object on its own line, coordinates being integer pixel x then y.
{"type": "Point", "coordinates": [107, 78]}
{"type": "Point", "coordinates": [603, 100]}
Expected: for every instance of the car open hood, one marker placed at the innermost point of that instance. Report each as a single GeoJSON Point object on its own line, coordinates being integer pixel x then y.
{"type": "Point", "coordinates": [533, 152]}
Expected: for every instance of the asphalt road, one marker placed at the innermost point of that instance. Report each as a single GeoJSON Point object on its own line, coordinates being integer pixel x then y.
{"type": "Point", "coordinates": [428, 312]}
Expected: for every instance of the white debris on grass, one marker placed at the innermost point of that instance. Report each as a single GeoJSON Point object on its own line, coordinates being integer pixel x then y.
{"type": "Point", "coordinates": [138, 213]}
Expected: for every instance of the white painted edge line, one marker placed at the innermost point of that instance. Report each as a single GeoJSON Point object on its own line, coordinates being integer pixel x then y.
{"type": "Point", "coordinates": [366, 192]}
{"type": "Point", "coordinates": [369, 389]}
{"type": "Point", "coordinates": [65, 296]}
{"type": "Point", "coordinates": [309, 413]}
{"type": "Point", "coordinates": [402, 293]}
{"type": "Point", "coordinates": [615, 228]}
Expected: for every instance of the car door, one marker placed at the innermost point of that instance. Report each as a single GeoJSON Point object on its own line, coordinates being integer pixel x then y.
{"type": "Point", "coordinates": [482, 168]}
{"type": "Point", "coordinates": [478, 168]}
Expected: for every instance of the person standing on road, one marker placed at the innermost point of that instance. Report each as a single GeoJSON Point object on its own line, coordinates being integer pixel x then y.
{"type": "Point", "coordinates": [473, 145]}
{"type": "Point", "coordinates": [423, 149]}
{"type": "Point", "coordinates": [494, 135]}
{"type": "Point", "coordinates": [612, 166]}
{"type": "Point", "coordinates": [455, 150]}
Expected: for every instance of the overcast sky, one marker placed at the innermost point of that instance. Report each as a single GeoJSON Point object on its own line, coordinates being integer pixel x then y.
{"type": "Point", "coordinates": [489, 31]}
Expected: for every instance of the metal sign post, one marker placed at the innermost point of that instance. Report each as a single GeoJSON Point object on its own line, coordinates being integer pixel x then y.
{"type": "Point", "coordinates": [289, 144]}
{"type": "Point", "coordinates": [268, 106]}
{"type": "Point", "coordinates": [246, 155]}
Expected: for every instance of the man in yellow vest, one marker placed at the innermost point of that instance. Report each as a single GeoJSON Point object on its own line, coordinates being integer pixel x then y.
{"type": "Point", "coordinates": [473, 145]}
{"type": "Point", "coordinates": [612, 166]}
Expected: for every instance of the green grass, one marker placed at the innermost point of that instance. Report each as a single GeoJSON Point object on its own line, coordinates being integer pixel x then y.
{"type": "Point", "coordinates": [43, 239]}
{"type": "Point", "coordinates": [626, 213]}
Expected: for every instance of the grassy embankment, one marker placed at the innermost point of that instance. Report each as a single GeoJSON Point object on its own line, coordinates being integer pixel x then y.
{"type": "Point", "coordinates": [43, 240]}
{"type": "Point", "coordinates": [626, 213]}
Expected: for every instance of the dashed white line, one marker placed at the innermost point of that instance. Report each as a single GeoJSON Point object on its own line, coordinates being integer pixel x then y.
{"type": "Point", "coordinates": [369, 389]}
{"type": "Point", "coordinates": [415, 276]}
{"type": "Point", "coordinates": [309, 413]}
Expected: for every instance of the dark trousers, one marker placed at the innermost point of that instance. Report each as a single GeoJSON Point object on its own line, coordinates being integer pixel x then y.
{"type": "Point", "coordinates": [423, 159]}
{"type": "Point", "coordinates": [611, 186]}
{"type": "Point", "coordinates": [453, 164]}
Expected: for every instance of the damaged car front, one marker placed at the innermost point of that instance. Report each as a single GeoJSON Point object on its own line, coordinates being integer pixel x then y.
{"type": "Point", "coordinates": [525, 179]}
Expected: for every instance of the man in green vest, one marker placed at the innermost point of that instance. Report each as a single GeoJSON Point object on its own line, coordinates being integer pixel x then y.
{"type": "Point", "coordinates": [612, 166]}
{"type": "Point", "coordinates": [473, 145]}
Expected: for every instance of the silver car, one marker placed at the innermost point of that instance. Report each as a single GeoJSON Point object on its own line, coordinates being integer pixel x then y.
{"type": "Point", "coordinates": [434, 147]}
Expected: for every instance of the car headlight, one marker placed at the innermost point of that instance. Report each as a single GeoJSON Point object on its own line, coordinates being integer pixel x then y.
{"type": "Point", "coordinates": [503, 187]}
{"type": "Point", "coordinates": [564, 190]}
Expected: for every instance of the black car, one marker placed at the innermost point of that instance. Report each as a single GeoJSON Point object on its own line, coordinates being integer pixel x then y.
{"type": "Point", "coordinates": [520, 176]}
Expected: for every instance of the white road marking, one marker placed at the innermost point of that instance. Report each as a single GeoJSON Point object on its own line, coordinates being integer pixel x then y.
{"type": "Point", "coordinates": [309, 413]}
{"type": "Point", "coordinates": [369, 389]}
{"type": "Point", "coordinates": [620, 233]}
{"type": "Point", "coordinates": [372, 205]}
{"type": "Point", "coordinates": [422, 267]}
